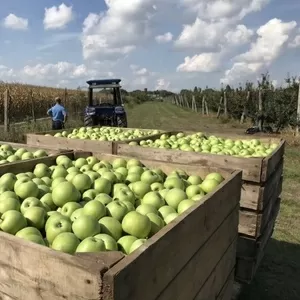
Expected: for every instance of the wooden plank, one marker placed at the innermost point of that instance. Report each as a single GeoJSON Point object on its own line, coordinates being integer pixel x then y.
{"type": "Point", "coordinates": [246, 267]}
{"type": "Point", "coordinates": [137, 277]}
{"type": "Point", "coordinates": [31, 271]}
{"type": "Point", "coordinates": [255, 196]}
{"type": "Point", "coordinates": [200, 266]}
{"type": "Point", "coordinates": [215, 283]}
{"type": "Point", "coordinates": [69, 144]}
{"type": "Point", "coordinates": [253, 223]}
{"type": "Point", "coordinates": [270, 162]}
{"type": "Point", "coordinates": [227, 291]}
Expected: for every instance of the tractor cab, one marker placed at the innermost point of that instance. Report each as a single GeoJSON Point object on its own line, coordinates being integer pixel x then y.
{"type": "Point", "coordinates": [105, 105]}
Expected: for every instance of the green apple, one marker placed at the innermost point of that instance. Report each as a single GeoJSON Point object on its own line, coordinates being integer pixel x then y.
{"type": "Point", "coordinates": [193, 190]}
{"type": "Point", "coordinates": [118, 186]}
{"type": "Point", "coordinates": [95, 209]}
{"type": "Point", "coordinates": [8, 180]}
{"type": "Point", "coordinates": [92, 160]}
{"type": "Point", "coordinates": [125, 242]}
{"type": "Point", "coordinates": [163, 193]}
{"type": "Point", "coordinates": [28, 231]}
{"type": "Point", "coordinates": [9, 204]}
{"type": "Point", "coordinates": [157, 223]}
{"type": "Point", "coordinates": [103, 185]}
{"type": "Point", "coordinates": [82, 182]}
{"type": "Point", "coordinates": [47, 200]}
{"type": "Point", "coordinates": [57, 180]}
{"type": "Point", "coordinates": [59, 171]}
{"type": "Point", "coordinates": [26, 189]}
{"type": "Point", "coordinates": [133, 162]}
{"type": "Point", "coordinates": [89, 195]}
{"type": "Point", "coordinates": [47, 180]}
{"type": "Point", "coordinates": [12, 221]}
{"type": "Point", "coordinates": [157, 186]}
{"type": "Point", "coordinates": [68, 209]}
{"type": "Point", "coordinates": [137, 244]}
{"type": "Point", "coordinates": [41, 170]}
{"type": "Point", "coordinates": [218, 177]}
{"type": "Point", "coordinates": [64, 161]}
{"type": "Point", "coordinates": [136, 224]}
{"type": "Point", "coordinates": [129, 205]}
{"type": "Point", "coordinates": [140, 189]}
{"type": "Point", "coordinates": [93, 175]}
{"type": "Point", "coordinates": [132, 177]}
{"type": "Point", "coordinates": [103, 198]}
{"type": "Point", "coordinates": [174, 182]}
{"type": "Point", "coordinates": [184, 205]}
{"type": "Point", "coordinates": [209, 185]}
{"type": "Point", "coordinates": [111, 226]}
{"type": "Point", "coordinates": [85, 226]}
{"type": "Point", "coordinates": [119, 162]}
{"type": "Point", "coordinates": [80, 162]}
{"type": "Point", "coordinates": [166, 210]}
{"type": "Point", "coordinates": [30, 202]}
{"type": "Point", "coordinates": [66, 242]}
{"type": "Point", "coordinates": [136, 169]}
{"type": "Point", "coordinates": [170, 217]}
{"type": "Point", "coordinates": [65, 192]}
{"type": "Point", "coordinates": [124, 195]}
{"type": "Point", "coordinates": [91, 244]}
{"type": "Point", "coordinates": [56, 225]}
{"type": "Point", "coordinates": [117, 209]}
{"type": "Point", "coordinates": [194, 180]}
{"type": "Point", "coordinates": [174, 197]}
{"type": "Point", "coordinates": [40, 153]}
{"type": "Point", "coordinates": [153, 198]}
{"type": "Point", "coordinates": [35, 216]}
{"type": "Point", "coordinates": [109, 242]}
{"type": "Point", "coordinates": [34, 238]}
{"type": "Point", "coordinates": [76, 214]}
{"type": "Point", "coordinates": [145, 209]}
{"type": "Point", "coordinates": [150, 177]}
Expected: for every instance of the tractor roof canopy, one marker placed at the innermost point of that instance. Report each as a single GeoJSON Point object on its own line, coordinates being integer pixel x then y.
{"type": "Point", "coordinates": [103, 83]}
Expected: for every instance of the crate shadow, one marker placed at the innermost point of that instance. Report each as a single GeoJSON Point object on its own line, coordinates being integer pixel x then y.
{"type": "Point", "coordinates": [278, 277]}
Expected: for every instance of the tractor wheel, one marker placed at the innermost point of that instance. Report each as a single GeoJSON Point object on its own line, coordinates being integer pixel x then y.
{"type": "Point", "coordinates": [88, 121]}
{"type": "Point", "coordinates": [121, 121]}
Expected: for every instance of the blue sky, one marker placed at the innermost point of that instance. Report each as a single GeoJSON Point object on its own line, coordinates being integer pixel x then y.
{"type": "Point", "coordinates": [157, 44]}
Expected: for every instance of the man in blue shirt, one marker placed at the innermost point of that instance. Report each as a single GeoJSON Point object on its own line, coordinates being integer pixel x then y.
{"type": "Point", "coordinates": [58, 115]}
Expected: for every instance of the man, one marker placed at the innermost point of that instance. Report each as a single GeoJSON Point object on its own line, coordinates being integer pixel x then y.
{"type": "Point", "coordinates": [58, 115]}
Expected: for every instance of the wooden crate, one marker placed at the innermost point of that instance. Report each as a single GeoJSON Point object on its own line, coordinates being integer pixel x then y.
{"type": "Point", "coordinates": [191, 258]}
{"type": "Point", "coordinates": [250, 252]}
{"type": "Point", "coordinates": [41, 140]}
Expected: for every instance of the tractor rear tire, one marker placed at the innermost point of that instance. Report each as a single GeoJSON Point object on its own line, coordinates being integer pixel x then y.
{"type": "Point", "coordinates": [88, 121]}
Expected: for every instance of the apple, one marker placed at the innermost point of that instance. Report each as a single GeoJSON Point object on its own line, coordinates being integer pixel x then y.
{"type": "Point", "coordinates": [76, 214]}
{"type": "Point", "coordinates": [157, 223]}
{"type": "Point", "coordinates": [34, 238]}
{"type": "Point", "coordinates": [136, 224]}
{"type": "Point", "coordinates": [91, 244]}
{"type": "Point", "coordinates": [140, 189]}
{"type": "Point", "coordinates": [209, 185]}
{"type": "Point", "coordinates": [103, 198]}
{"type": "Point", "coordinates": [9, 204]}
{"type": "Point", "coordinates": [103, 185]}
{"type": "Point", "coordinates": [8, 180]}
{"type": "Point", "coordinates": [30, 202]}
{"type": "Point", "coordinates": [66, 242]}
{"type": "Point", "coordinates": [43, 190]}
{"type": "Point", "coordinates": [218, 177]}
{"type": "Point", "coordinates": [95, 209]}
{"type": "Point", "coordinates": [40, 153]}
{"type": "Point", "coordinates": [56, 181]}
{"type": "Point", "coordinates": [157, 186]}
{"type": "Point", "coordinates": [133, 162]}
{"type": "Point", "coordinates": [64, 161]}
{"type": "Point", "coordinates": [111, 226]}
{"type": "Point", "coordinates": [109, 242]}
{"type": "Point", "coordinates": [117, 209]}
{"type": "Point", "coordinates": [132, 177]}
{"type": "Point", "coordinates": [47, 180]}
{"type": "Point", "coordinates": [166, 210]}
{"type": "Point", "coordinates": [64, 192]}
{"type": "Point", "coordinates": [89, 195]}
{"type": "Point", "coordinates": [136, 170]}
{"type": "Point", "coordinates": [193, 190]}
{"type": "Point", "coordinates": [47, 200]}
{"type": "Point", "coordinates": [153, 198]}
{"type": "Point", "coordinates": [109, 176]}
{"type": "Point", "coordinates": [125, 242]}
{"type": "Point", "coordinates": [57, 225]}
{"type": "Point", "coordinates": [174, 182]}
{"type": "Point", "coordinates": [35, 216]}
{"type": "Point", "coordinates": [82, 182]}
{"type": "Point", "coordinates": [163, 193]}
{"type": "Point", "coordinates": [28, 231]}
{"type": "Point", "coordinates": [194, 180]}
{"type": "Point", "coordinates": [184, 205]}
{"type": "Point", "coordinates": [170, 217]}
{"type": "Point", "coordinates": [59, 171]}
{"type": "Point", "coordinates": [12, 221]}
{"type": "Point", "coordinates": [85, 226]}
{"type": "Point", "coordinates": [26, 189]}
{"type": "Point", "coordinates": [145, 209]}
{"type": "Point", "coordinates": [124, 195]}
{"type": "Point", "coordinates": [80, 162]}
{"type": "Point", "coordinates": [174, 197]}
{"type": "Point", "coordinates": [92, 160]}
{"type": "Point", "coordinates": [150, 177]}
{"type": "Point", "coordinates": [118, 186]}
{"type": "Point", "coordinates": [122, 170]}
{"type": "Point", "coordinates": [68, 209]}
{"type": "Point", "coordinates": [93, 175]}
{"type": "Point", "coordinates": [137, 244]}
{"type": "Point", "coordinates": [41, 170]}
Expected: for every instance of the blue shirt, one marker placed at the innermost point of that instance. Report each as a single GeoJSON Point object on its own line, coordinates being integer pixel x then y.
{"type": "Point", "coordinates": [57, 112]}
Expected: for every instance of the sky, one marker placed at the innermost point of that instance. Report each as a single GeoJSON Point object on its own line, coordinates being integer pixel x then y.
{"type": "Point", "coordinates": [154, 44]}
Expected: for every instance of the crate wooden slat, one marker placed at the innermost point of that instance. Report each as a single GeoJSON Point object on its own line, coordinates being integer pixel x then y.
{"type": "Point", "coordinates": [189, 240]}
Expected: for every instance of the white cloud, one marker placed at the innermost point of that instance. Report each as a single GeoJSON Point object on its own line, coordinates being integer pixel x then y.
{"type": "Point", "coordinates": [14, 22]}
{"type": "Point", "coordinates": [162, 84]}
{"type": "Point", "coordinates": [164, 38]}
{"type": "Point", "coordinates": [205, 62]}
{"type": "Point", "coordinates": [57, 17]}
{"type": "Point", "coordinates": [272, 37]}
{"type": "Point", "coordinates": [119, 30]}
{"type": "Point", "coordinates": [239, 36]}
{"type": "Point", "coordinates": [295, 43]}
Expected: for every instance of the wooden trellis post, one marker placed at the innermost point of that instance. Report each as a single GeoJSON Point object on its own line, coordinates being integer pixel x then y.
{"type": "Point", "coordinates": [243, 117]}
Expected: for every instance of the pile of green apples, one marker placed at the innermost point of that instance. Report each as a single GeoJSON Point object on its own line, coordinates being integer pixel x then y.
{"type": "Point", "coordinates": [92, 205]}
{"type": "Point", "coordinates": [198, 142]}
{"type": "Point", "coordinates": [9, 154]}
{"type": "Point", "coordinates": [106, 133]}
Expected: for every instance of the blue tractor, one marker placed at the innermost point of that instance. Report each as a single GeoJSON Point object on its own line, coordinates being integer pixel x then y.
{"type": "Point", "coordinates": [108, 113]}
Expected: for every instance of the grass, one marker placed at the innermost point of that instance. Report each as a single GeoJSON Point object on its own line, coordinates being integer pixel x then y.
{"type": "Point", "coordinates": [279, 273]}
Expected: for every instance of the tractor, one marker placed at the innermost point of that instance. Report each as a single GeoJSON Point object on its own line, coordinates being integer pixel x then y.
{"type": "Point", "coordinates": [111, 111]}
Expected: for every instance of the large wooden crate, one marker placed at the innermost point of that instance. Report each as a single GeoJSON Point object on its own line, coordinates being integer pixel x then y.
{"type": "Point", "coordinates": [40, 139]}
{"type": "Point", "coordinates": [262, 180]}
{"type": "Point", "coordinates": [191, 258]}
